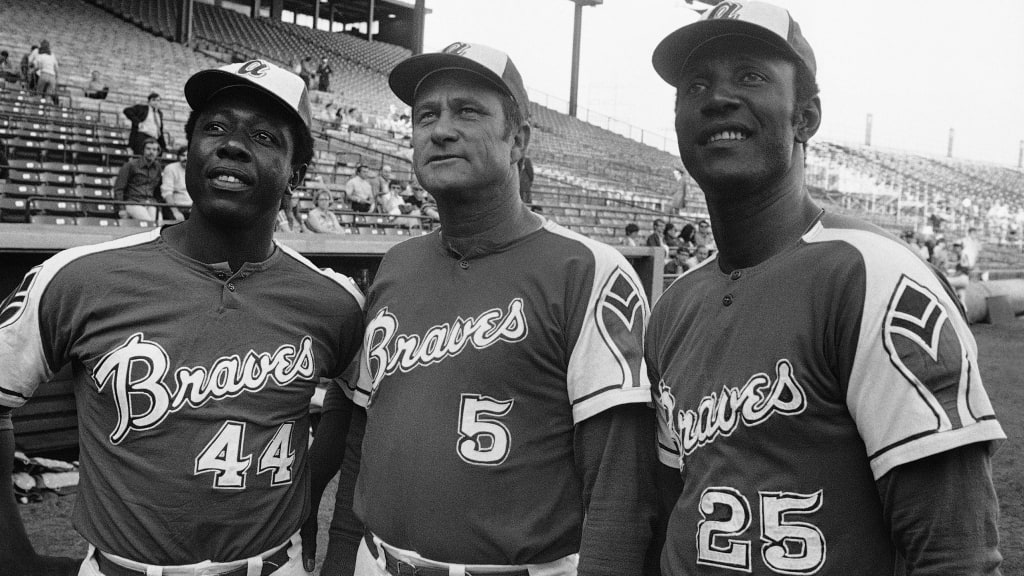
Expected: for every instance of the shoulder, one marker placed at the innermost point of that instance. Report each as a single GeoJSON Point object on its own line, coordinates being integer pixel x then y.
{"type": "Point", "coordinates": [87, 265]}
{"type": "Point", "coordinates": [345, 287]}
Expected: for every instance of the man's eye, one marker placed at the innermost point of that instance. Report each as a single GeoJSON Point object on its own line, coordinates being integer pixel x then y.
{"type": "Point", "coordinates": [468, 110]}
{"type": "Point", "coordinates": [695, 88]}
{"type": "Point", "coordinates": [264, 137]}
{"type": "Point", "coordinates": [214, 127]}
{"type": "Point", "coordinates": [424, 116]}
{"type": "Point", "coordinates": [752, 78]}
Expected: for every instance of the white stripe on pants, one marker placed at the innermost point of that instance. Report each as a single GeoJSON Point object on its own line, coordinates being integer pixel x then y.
{"type": "Point", "coordinates": [367, 565]}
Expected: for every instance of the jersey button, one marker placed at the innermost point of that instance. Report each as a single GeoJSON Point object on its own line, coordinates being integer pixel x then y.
{"type": "Point", "coordinates": [463, 264]}
{"type": "Point", "coordinates": [221, 275]}
{"type": "Point", "coordinates": [736, 274]}
{"type": "Point", "coordinates": [231, 286]}
{"type": "Point", "coordinates": [727, 300]}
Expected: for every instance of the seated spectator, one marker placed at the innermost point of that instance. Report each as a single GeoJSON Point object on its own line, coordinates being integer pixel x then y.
{"type": "Point", "coordinates": [704, 236]}
{"type": "Point", "coordinates": [940, 255]}
{"type": "Point", "coordinates": [960, 268]}
{"type": "Point", "coordinates": [672, 237]}
{"type": "Point", "coordinates": [359, 190]}
{"type": "Point", "coordinates": [389, 201]}
{"type": "Point", "coordinates": [172, 186]}
{"type": "Point", "coordinates": [139, 182]}
{"type": "Point", "coordinates": [320, 219]}
{"type": "Point", "coordinates": [288, 219]}
{"type": "Point", "coordinates": [96, 89]}
{"type": "Point", "coordinates": [632, 237]}
{"type": "Point", "coordinates": [678, 263]}
{"type": "Point", "coordinates": [701, 253]}
{"type": "Point", "coordinates": [327, 114]}
{"type": "Point", "coordinates": [7, 72]}
{"type": "Point", "coordinates": [424, 201]}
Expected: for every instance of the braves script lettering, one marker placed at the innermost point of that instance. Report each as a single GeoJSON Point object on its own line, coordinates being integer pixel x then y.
{"type": "Point", "coordinates": [719, 414]}
{"type": "Point", "coordinates": [388, 351]}
{"type": "Point", "coordinates": [135, 372]}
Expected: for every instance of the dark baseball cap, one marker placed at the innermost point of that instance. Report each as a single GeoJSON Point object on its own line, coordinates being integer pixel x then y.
{"type": "Point", "coordinates": [281, 85]}
{"type": "Point", "coordinates": [489, 63]}
{"type": "Point", "coordinates": [755, 20]}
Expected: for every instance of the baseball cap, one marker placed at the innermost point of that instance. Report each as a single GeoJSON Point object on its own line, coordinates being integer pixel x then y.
{"type": "Point", "coordinates": [757, 20]}
{"type": "Point", "coordinates": [489, 63]}
{"type": "Point", "coordinates": [281, 85]}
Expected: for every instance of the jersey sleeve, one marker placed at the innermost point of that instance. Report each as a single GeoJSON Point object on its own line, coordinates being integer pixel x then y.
{"type": "Point", "coordinates": [914, 388]}
{"type": "Point", "coordinates": [606, 365]}
{"type": "Point", "coordinates": [22, 353]}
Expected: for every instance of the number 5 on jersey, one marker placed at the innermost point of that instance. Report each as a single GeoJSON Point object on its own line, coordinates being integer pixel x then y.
{"type": "Point", "coordinates": [483, 439]}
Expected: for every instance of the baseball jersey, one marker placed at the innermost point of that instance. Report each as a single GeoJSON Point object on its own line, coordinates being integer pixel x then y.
{"type": "Point", "coordinates": [785, 390]}
{"type": "Point", "coordinates": [192, 385]}
{"type": "Point", "coordinates": [474, 373]}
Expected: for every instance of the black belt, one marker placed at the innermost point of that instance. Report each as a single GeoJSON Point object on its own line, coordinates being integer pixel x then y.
{"type": "Point", "coordinates": [396, 567]}
{"type": "Point", "coordinates": [270, 564]}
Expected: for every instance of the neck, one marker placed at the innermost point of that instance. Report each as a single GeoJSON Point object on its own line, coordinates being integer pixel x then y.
{"type": "Point", "coordinates": [470, 226]}
{"type": "Point", "coordinates": [209, 243]}
{"type": "Point", "coordinates": [750, 226]}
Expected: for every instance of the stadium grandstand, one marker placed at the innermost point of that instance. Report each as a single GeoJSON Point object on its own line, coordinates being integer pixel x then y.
{"type": "Point", "coordinates": [62, 159]}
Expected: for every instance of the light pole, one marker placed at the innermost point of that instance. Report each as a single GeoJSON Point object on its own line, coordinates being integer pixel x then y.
{"type": "Point", "coordinates": [574, 81]}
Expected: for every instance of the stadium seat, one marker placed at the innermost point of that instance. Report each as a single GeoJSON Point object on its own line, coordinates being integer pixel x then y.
{"type": "Point", "coordinates": [65, 192]}
{"type": "Point", "coordinates": [52, 220]}
{"type": "Point", "coordinates": [19, 190]}
{"type": "Point", "coordinates": [55, 207]}
{"type": "Point", "coordinates": [94, 221]}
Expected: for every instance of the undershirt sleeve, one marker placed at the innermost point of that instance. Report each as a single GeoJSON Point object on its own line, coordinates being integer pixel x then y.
{"type": "Point", "coordinates": [943, 512]}
{"type": "Point", "coordinates": [615, 454]}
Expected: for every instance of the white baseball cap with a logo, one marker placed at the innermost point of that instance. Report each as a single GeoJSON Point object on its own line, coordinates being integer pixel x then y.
{"type": "Point", "coordinates": [759, 21]}
{"type": "Point", "coordinates": [280, 84]}
{"type": "Point", "coordinates": [489, 63]}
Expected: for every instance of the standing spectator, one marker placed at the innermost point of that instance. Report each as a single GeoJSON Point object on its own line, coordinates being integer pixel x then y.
{"type": "Point", "coordinates": [139, 181]}
{"type": "Point", "coordinates": [172, 186]}
{"type": "Point", "coordinates": [382, 180]}
{"type": "Point", "coordinates": [678, 201]}
{"type": "Point", "coordinates": [632, 237]}
{"type": "Point", "coordinates": [526, 180]}
{"type": "Point", "coordinates": [971, 248]}
{"type": "Point", "coordinates": [7, 73]}
{"type": "Point", "coordinates": [96, 89]}
{"type": "Point", "coordinates": [321, 219]}
{"type": "Point", "coordinates": [820, 407]}
{"type": "Point", "coordinates": [657, 237]}
{"type": "Point", "coordinates": [323, 74]}
{"type": "Point", "coordinates": [359, 191]}
{"type": "Point", "coordinates": [47, 71]}
{"type": "Point", "coordinates": [307, 71]}
{"type": "Point", "coordinates": [147, 122]}
{"type": "Point", "coordinates": [28, 67]}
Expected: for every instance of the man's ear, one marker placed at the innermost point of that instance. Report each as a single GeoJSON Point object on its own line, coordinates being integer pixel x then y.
{"type": "Point", "coordinates": [520, 143]}
{"type": "Point", "coordinates": [298, 175]}
{"type": "Point", "coordinates": [807, 119]}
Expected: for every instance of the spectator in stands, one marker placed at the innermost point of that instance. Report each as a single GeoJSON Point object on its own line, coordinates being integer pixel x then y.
{"type": "Point", "coordinates": [96, 89]}
{"type": "Point", "coordinates": [327, 114]}
{"type": "Point", "coordinates": [321, 219]}
{"type": "Point", "coordinates": [359, 191]}
{"type": "Point", "coordinates": [425, 202]}
{"type": "Point", "coordinates": [678, 202]}
{"type": "Point", "coordinates": [526, 180]}
{"type": "Point", "coordinates": [172, 186]}
{"type": "Point", "coordinates": [323, 74]}
{"type": "Point", "coordinates": [139, 181]}
{"type": "Point", "coordinates": [47, 70]}
{"type": "Point", "coordinates": [7, 73]}
{"type": "Point", "coordinates": [657, 237]}
{"type": "Point", "coordinates": [704, 237]}
{"type": "Point", "coordinates": [147, 122]}
{"type": "Point", "coordinates": [308, 72]}
{"type": "Point", "coordinates": [632, 237]}
{"type": "Point", "coordinates": [672, 239]}
{"type": "Point", "coordinates": [940, 254]}
{"type": "Point", "coordinates": [382, 180]}
{"type": "Point", "coordinates": [389, 201]}
{"type": "Point", "coordinates": [28, 67]}
{"type": "Point", "coordinates": [959, 272]}
{"type": "Point", "coordinates": [677, 264]}
{"type": "Point", "coordinates": [971, 247]}
{"type": "Point", "coordinates": [288, 218]}
{"type": "Point", "coordinates": [699, 254]}
{"type": "Point", "coordinates": [353, 118]}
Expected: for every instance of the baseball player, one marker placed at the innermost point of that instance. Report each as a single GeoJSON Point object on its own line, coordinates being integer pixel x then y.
{"type": "Point", "coordinates": [195, 349]}
{"type": "Point", "coordinates": [502, 370]}
{"type": "Point", "coordinates": [819, 401]}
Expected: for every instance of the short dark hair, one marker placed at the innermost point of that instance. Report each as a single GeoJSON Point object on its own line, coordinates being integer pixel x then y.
{"type": "Point", "coordinates": [149, 140]}
{"type": "Point", "coordinates": [180, 150]}
{"type": "Point", "coordinates": [303, 140]}
{"type": "Point", "coordinates": [152, 96]}
{"type": "Point", "coordinates": [632, 228]}
{"type": "Point", "coordinates": [4, 53]}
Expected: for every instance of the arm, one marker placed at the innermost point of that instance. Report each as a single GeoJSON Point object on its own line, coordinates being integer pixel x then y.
{"type": "Point", "coordinates": [315, 221]}
{"type": "Point", "coordinates": [943, 512]}
{"type": "Point", "coordinates": [122, 182]}
{"type": "Point", "coordinates": [324, 459]}
{"type": "Point", "coordinates": [346, 530]}
{"type": "Point", "coordinates": [669, 484]}
{"type": "Point", "coordinates": [615, 455]}
{"type": "Point", "coordinates": [16, 552]}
